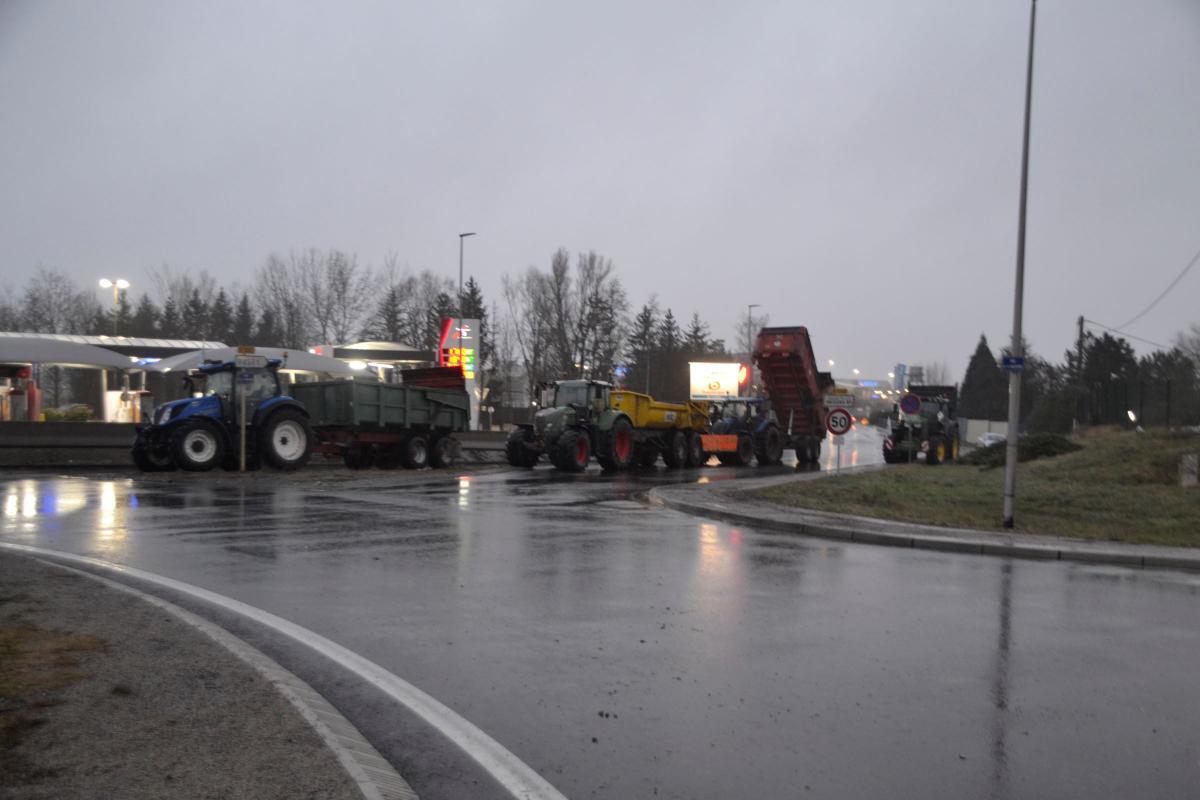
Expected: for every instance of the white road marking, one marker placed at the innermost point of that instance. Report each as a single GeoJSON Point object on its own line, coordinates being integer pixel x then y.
{"type": "Point", "coordinates": [509, 771]}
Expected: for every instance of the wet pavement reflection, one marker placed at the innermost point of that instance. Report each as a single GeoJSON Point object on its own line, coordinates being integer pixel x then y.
{"type": "Point", "coordinates": [629, 651]}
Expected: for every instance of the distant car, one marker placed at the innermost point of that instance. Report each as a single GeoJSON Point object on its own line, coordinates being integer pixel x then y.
{"type": "Point", "coordinates": [989, 439]}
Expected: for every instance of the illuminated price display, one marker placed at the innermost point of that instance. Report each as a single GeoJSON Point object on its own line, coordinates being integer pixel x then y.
{"type": "Point", "coordinates": [457, 347]}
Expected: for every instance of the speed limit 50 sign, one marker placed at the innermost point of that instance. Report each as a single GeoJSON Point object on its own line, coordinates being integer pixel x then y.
{"type": "Point", "coordinates": [838, 421]}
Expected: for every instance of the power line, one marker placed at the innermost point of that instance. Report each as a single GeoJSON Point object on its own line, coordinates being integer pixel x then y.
{"type": "Point", "coordinates": [1178, 278]}
{"type": "Point", "coordinates": [1127, 335]}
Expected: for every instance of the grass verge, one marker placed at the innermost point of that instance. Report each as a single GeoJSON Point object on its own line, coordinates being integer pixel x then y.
{"type": "Point", "coordinates": [34, 664]}
{"type": "Point", "coordinates": [1120, 486]}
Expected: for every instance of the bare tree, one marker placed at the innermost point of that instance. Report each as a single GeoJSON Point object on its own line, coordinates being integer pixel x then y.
{"type": "Point", "coordinates": [53, 303]}
{"type": "Point", "coordinates": [568, 324]}
{"type": "Point", "coordinates": [181, 285]}
{"type": "Point", "coordinates": [748, 327]}
{"type": "Point", "coordinates": [1189, 342]}
{"type": "Point", "coordinates": [279, 294]}
{"type": "Point", "coordinates": [937, 373]}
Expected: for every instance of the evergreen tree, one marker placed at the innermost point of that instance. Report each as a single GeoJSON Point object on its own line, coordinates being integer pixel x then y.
{"type": "Point", "coordinates": [984, 392]}
{"type": "Point", "coordinates": [195, 316]}
{"type": "Point", "coordinates": [668, 333]}
{"type": "Point", "coordinates": [145, 320]}
{"type": "Point", "coordinates": [642, 347]}
{"type": "Point", "coordinates": [443, 307]}
{"type": "Point", "coordinates": [243, 322]}
{"type": "Point", "coordinates": [472, 306]}
{"type": "Point", "coordinates": [671, 372]}
{"type": "Point", "coordinates": [387, 323]}
{"type": "Point", "coordinates": [695, 340]}
{"type": "Point", "coordinates": [170, 323]}
{"type": "Point", "coordinates": [220, 319]}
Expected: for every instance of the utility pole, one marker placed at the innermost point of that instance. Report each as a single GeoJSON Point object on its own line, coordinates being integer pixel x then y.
{"type": "Point", "coordinates": [1014, 380]}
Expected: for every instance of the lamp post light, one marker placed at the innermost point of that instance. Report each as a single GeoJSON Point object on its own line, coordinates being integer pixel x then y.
{"type": "Point", "coordinates": [117, 286]}
{"type": "Point", "coordinates": [461, 237]}
{"type": "Point", "coordinates": [750, 342]}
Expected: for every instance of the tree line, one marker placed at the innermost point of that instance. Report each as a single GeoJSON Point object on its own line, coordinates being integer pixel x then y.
{"type": "Point", "coordinates": [570, 319]}
{"type": "Point", "coordinates": [1098, 383]}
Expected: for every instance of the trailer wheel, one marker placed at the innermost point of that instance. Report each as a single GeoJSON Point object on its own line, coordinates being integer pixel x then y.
{"type": "Point", "coordinates": [358, 456]}
{"type": "Point", "coordinates": [574, 450]}
{"type": "Point", "coordinates": [675, 455]}
{"type": "Point", "coordinates": [150, 459]}
{"type": "Point", "coordinates": [936, 453]}
{"type": "Point", "coordinates": [286, 441]}
{"type": "Point", "coordinates": [388, 458]}
{"type": "Point", "coordinates": [415, 453]}
{"type": "Point", "coordinates": [443, 452]}
{"type": "Point", "coordinates": [197, 446]}
{"type": "Point", "coordinates": [647, 456]}
{"type": "Point", "coordinates": [769, 446]}
{"type": "Point", "coordinates": [696, 456]}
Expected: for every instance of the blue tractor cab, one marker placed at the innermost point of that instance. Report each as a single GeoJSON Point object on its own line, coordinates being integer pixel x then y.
{"type": "Point", "coordinates": [203, 430]}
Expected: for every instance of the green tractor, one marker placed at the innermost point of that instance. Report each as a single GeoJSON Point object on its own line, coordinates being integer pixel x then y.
{"type": "Point", "coordinates": [576, 423]}
{"type": "Point", "coordinates": [923, 422]}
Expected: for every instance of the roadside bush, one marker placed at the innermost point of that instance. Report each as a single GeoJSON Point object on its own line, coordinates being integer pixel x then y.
{"type": "Point", "coordinates": [75, 413]}
{"type": "Point", "coordinates": [1029, 448]}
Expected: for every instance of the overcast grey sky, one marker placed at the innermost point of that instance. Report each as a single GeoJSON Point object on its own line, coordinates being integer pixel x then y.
{"type": "Point", "coordinates": [852, 167]}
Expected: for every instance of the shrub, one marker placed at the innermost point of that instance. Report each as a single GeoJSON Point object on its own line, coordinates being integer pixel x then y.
{"type": "Point", "coordinates": [1029, 448]}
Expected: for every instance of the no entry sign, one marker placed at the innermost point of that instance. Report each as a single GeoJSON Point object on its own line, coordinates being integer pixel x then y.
{"type": "Point", "coordinates": [838, 421]}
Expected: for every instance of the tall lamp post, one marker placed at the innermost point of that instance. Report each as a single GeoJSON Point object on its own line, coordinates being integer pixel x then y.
{"type": "Point", "coordinates": [750, 343]}
{"type": "Point", "coordinates": [1014, 378]}
{"type": "Point", "coordinates": [461, 237]}
{"type": "Point", "coordinates": [117, 286]}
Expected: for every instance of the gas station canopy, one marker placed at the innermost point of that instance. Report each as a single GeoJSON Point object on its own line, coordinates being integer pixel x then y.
{"type": "Point", "coordinates": [293, 361]}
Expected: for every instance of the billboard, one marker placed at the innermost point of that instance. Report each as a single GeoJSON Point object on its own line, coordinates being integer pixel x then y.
{"type": "Point", "coordinates": [713, 380]}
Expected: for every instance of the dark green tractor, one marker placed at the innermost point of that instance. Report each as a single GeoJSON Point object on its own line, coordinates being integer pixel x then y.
{"type": "Point", "coordinates": [576, 424]}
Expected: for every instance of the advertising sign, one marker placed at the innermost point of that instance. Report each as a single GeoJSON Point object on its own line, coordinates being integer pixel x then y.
{"type": "Point", "coordinates": [459, 347]}
{"type": "Point", "coordinates": [713, 380]}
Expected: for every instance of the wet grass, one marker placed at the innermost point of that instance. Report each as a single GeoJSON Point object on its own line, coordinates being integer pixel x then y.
{"type": "Point", "coordinates": [1120, 486]}
{"type": "Point", "coordinates": [34, 665]}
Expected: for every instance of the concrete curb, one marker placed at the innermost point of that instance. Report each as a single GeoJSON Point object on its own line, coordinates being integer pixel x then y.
{"type": "Point", "coordinates": [730, 504]}
{"type": "Point", "coordinates": [375, 778]}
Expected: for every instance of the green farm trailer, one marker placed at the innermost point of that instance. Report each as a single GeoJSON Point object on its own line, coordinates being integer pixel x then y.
{"type": "Point", "coordinates": [388, 425]}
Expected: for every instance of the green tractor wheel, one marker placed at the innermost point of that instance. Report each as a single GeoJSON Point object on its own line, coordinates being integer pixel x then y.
{"type": "Point", "coordinates": [573, 451]}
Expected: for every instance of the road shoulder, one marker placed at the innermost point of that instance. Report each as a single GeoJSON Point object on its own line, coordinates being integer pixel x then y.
{"type": "Point", "coordinates": [163, 706]}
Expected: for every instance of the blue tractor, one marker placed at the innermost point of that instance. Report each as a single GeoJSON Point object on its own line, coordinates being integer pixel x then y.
{"type": "Point", "coordinates": [203, 430]}
{"type": "Point", "coordinates": [757, 431]}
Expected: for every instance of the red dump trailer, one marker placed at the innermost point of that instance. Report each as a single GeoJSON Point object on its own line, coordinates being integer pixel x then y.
{"type": "Point", "coordinates": [795, 388]}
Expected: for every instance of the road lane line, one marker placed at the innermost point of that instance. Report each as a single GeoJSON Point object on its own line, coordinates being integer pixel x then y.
{"type": "Point", "coordinates": [517, 778]}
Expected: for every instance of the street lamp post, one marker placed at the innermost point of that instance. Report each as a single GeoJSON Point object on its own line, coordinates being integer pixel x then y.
{"type": "Point", "coordinates": [1014, 379]}
{"type": "Point", "coordinates": [750, 342]}
{"type": "Point", "coordinates": [461, 236]}
{"type": "Point", "coordinates": [117, 286]}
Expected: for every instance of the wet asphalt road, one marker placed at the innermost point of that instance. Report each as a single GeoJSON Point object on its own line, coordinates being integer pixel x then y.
{"type": "Point", "coordinates": [625, 651]}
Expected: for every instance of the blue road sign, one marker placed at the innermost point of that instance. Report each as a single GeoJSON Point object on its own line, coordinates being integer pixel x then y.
{"type": "Point", "coordinates": [1013, 364]}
